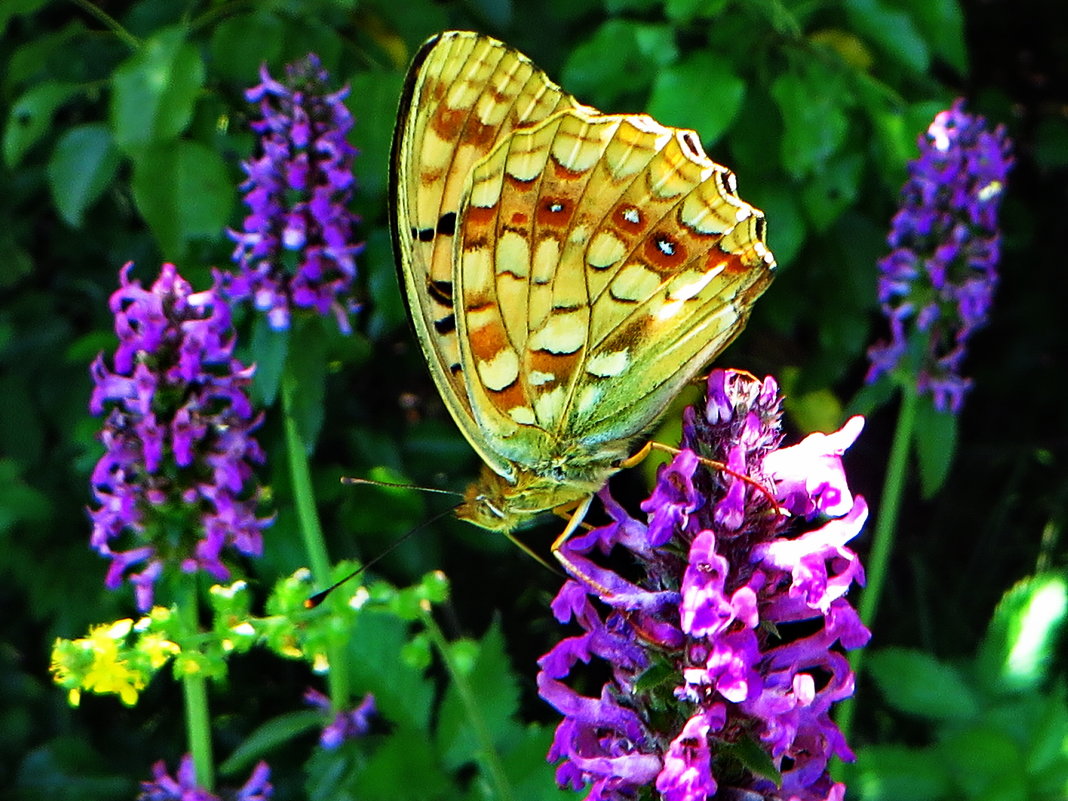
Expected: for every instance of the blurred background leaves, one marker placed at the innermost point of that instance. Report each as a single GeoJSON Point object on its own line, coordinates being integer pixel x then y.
{"type": "Point", "coordinates": [123, 128]}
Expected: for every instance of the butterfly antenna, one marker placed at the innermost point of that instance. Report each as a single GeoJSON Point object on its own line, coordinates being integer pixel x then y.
{"type": "Point", "coordinates": [320, 596]}
{"type": "Point", "coordinates": [351, 481]}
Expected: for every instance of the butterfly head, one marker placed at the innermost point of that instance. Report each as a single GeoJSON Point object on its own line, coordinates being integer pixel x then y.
{"type": "Point", "coordinates": [495, 504]}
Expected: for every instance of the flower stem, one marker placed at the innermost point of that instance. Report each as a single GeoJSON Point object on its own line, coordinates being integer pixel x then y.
{"type": "Point", "coordinates": [883, 539]}
{"type": "Point", "coordinates": [490, 760]}
{"type": "Point", "coordinates": [116, 27]}
{"type": "Point", "coordinates": [312, 533]}
{"type": "Point", "coordinates": [195, 694]}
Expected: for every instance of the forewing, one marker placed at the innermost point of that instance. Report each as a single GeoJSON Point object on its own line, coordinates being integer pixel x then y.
{"type": "Point", "coordinates": [464, 94]}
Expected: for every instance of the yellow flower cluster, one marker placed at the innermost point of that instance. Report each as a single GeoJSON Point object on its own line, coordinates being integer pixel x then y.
{"type": "Point", "coordinates": [111, 661]}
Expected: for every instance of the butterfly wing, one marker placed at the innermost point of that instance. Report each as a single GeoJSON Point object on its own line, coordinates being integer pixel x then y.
{"type": "Point", "coordinates": [603, 260]}
{"type": "Point", "coordinates": [566, 271]}
{"type": "Point", "coordinates": [464, 94]}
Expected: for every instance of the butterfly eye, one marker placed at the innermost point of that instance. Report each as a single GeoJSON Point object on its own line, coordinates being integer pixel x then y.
{"type": "Point", "coordinates": [485, 501]}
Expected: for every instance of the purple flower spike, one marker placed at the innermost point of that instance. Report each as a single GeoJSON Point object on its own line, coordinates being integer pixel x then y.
{"type": "Point", "coordinates": [741, 538]}
{"type": "Point", "coordinates": [937, 284]}
{"type": "Point", "coordinates": [345, 725]}
{"type": "Point", "coordinates": [183, 786]}
{"type": "Point", "coordinates": [175, 485]}
{"type": "Point", "coordinates": [296, 250]}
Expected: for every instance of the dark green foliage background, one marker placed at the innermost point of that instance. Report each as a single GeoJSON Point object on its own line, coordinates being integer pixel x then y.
{"type": "Point", "coordinates": [815, 105]}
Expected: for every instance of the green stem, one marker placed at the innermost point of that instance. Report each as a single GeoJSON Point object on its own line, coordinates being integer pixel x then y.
{"type": "Point", "coordinates": [312, 533]}
{"type": "Point", "coordinates": [110, 22]}
{"type": "Point", "coordinates": [195, 694]}
{"type": "Point", "coordinates": [883, 539]}
{"type": "Point", "coordinates": [489, 759]}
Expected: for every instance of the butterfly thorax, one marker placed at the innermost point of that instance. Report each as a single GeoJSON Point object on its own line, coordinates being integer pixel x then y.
{"type": "Point", "coordinates": [497, 505]}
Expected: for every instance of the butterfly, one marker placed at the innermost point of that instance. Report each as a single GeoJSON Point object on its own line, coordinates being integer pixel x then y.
{"type": "Point", "coordinates": [566, 272]}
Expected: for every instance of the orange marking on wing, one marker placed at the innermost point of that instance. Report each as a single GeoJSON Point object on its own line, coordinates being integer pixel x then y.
{"type": "Point", "coordinates": [434, 91]}
{"type": "Point", "coordinates": [560, 365]}
{"type": "Point", "coordinates": [518, 184]}
{"type": "Point", "coordinates": [509, 397]}
{"type": "Point", "coordinates": [664, 251]}
{"type": "Point", "coordinates": [733, 264]}
{"type": "Point", "coordinates": [479, 134]}
{"type": "Point", "coordinates": [430, 178]}
{"type": "Point", "coordinates": [481, 215]}
{"type": "Point", "coordinates": [554, 212]}
{"type": "Point", "coordinates": [447, 121]}
{"type": "Point", "coordinates": [487, 341]}
{"type": "Point", "coordinates": [563, 173]}
{"type": "Point", "coordinates": [519, 218]}
{"type": "Point", "coordinates": [628, 218]}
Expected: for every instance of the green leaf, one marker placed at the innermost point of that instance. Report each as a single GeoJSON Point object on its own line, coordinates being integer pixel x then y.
{"type": "Point", "coordinates": [269, 349]}
{"type": "Point", "coordinates": [701, 92]}
{"type": "Point", "coordinates": [934, 436]}
{"type": "Point", "coordinates": [82, 166]}
{"type": "Point", "coordinates": [402, 693]}
{"type": "Point", "coordinates": [1044, 736]}
{"type": "Point", "coordinates": [656, 676]}
{"type": "Point", "coordinates": [10, 9]}
{"type": "Point", "coordinates": [184, 192]}
{"type": "Point", "coordinates": [813, 410]}
{"type": "Point", "coordinates": [269, 736]}
{"type": "Point", "coordinates": [497, 13]}
{"type": "Point", "coordinates": [611, 63]}
{"type": "Point", "coordinates": [404, 766]}
{"type": "Point", "coordinates": [891, 31]}
{"type": "Point", "coordinates": [755, 759]}
{"type": "Point", "coordinates": [754, 141]}
{"type": "Point", "coordinates": [19, 502]}
{"type": "Point", "coordinates": [684, 11]}
{"type": "Point", "coordinates": [15, 261]}
{"type": "Point", "coordinates": [491, 677]}
{"type": "Point", "coordinates": [385, 313]}
{"type": "Point", "coordinates": [986, 764]}
{"type": "Point", "coordinates": [31, 116]}
{"type": "Point", "coordinates": [832, 190]}
{"type": "Point", "coordinates": [915, 682]}
{"type": "Point", "coordinates": [873, 396]}
{"type": "Point", "coordinates": [241, 43]}
{"type": "Point", "coordinates": [529, 774]}
{"type": "Point", "coordinates": [891, 773]}
{"type": "Point", "coordinates": [941, 24]}
{"type": "Point", "coordinates": [786, 221]}
{"type": "Point", "coordinates": [68, 769]}
{"type": "Point", "coordinates": [618, 7]}
{"type": "Point", "coordinates": [34, 58]}
{"type": "Point", "coordinates": [814, 122]}
{"type": "Point", "coordinates": [1020, 643]}
{"type": "Point", "coordinates": [154, 90]}
{"type": "Point", "coordinates": [374, 100]}
{"type": "Point", "coordinates": [22, 431]}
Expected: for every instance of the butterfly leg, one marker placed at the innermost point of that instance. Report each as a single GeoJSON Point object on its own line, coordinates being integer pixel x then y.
{"type": "Point", "coordinates": [714, 465]}
{"type": "Point", "coordinates": [637, 458]}
{"type": "Point", "coordinates": [572, 569]}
